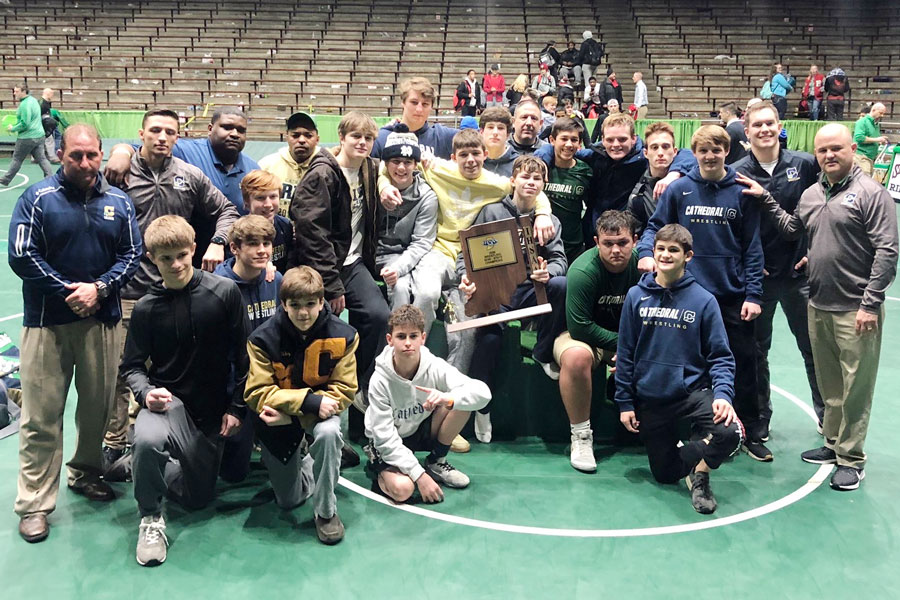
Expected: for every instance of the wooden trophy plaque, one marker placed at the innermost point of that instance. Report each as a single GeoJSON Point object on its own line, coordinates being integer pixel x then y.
{"type": "Point", "coordinates": [494, 255]}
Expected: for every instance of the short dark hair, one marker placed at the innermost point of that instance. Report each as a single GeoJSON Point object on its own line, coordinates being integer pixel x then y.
{"type": "Point", "coordinates": [80, 128]}
{"type": "Point", "coordinates": [159, 112]}
{"type": "Point", "coordinates": [407, 315]}
{"type": "Point", "coordinates": [496, 114]}
{"type": "Point", "coordinates": [529, 164]}
{"type": "Point", "coordinates": [565, 124]}
{"type": "Point", "coordinates": [227, 110]}
{"type": "Point", "coordinates": [673, 232]}
{"type": "Point", "coordinates": [614, 221]}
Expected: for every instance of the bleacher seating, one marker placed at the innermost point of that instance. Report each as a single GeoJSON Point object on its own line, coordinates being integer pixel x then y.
{"type": "Point", "coordinates": [274, 58]}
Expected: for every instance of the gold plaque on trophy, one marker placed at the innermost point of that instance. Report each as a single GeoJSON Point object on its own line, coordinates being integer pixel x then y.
{"type": "Point", "coordinates": [492, 250]}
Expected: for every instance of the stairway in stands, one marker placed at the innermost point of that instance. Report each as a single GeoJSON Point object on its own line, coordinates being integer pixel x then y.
{"type": "Point", "coordinates": [625, 52]}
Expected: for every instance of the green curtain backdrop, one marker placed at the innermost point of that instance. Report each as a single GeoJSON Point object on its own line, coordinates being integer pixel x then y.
{"type": "Point", "coordinates": [124, 124]}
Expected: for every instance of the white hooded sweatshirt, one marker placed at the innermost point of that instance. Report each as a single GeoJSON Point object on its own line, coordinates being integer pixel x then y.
{"type": "Point", "coordinates": [396, 407]}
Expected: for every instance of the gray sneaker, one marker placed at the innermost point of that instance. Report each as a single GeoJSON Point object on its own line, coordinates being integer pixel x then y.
{"type": "Point", "coordinates": [446, 474]}
{"type": "Point", "coordinates": [702, 498]}
{"type": "Point", "coordinates": [330, 531]}
{"type": "Point", "coordinates": [152, 541]}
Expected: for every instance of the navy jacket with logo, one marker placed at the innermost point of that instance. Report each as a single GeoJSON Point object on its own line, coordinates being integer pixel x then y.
{"type": "Point", "coordinates": [672, 342]}
{"type": "Point", "coordinates": [728, 256]}
{"type": "Point", "coordinates": [60, 235]}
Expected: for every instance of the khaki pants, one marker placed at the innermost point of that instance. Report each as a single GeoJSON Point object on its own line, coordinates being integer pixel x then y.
{"type": "Point", "coordinates": [50, 355]}
{"type": "Point", "coordinates": [642, 112]}
{"type": "Point", "coordinates": [117, 429]}
{"type": "Point", "coordinates": [865, 163]}
{"type": "Point", "coordinates": [846, 367]}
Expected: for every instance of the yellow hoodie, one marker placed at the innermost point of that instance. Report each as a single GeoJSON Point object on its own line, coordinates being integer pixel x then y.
{"type": "Point", "coordinates": [460, 199]}
{"type": "Point", "coordinates": [289, 171]}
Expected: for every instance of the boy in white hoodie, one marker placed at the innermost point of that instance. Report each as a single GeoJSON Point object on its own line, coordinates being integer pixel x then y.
{"type": "Point", "coordinates": [417, 402]}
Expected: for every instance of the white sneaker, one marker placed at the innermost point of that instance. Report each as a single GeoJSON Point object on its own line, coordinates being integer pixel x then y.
{"type": "Point", "coordinates": [483, 427]}
{"type": "Point", "coordinates": [446, 474]}
{"type": "Point", "coordinates": [581, 454]}
{"type": "Point", "coordinates": [152, 541]}
{"type": "Point", "coordinates": [551, 369]}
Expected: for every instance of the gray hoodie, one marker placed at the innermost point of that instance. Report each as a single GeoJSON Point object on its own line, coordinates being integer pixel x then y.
{"type": "Point", "coordinates": [407, 233]}
{"type": "Point", "coordinates": [504, 164]}
{"type": "Point", "coordinates": [395, 405]}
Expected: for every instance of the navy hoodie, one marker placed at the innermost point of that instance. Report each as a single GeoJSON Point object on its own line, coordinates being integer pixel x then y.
{"type": "Point", "coordinates": [672, 342]}
{"type": "Point", "coordinates": [728, 256]}
{"type": "Point", "coordinates": [260, 296]}
{"type": "Point", "coordinates": [433, 137]}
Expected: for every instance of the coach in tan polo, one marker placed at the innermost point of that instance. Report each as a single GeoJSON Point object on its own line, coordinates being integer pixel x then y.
{"type": "Point", "coordinates": [853, 247]}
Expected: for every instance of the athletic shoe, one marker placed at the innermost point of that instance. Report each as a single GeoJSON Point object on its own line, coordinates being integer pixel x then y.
{"type": "Point", "coordinates": [847, 478]}
{"type": "Point", "coordinates": [446, 474]}
{"type": "Point", "coordinates": [110, 456]}
{"type": "Point", "coordinates": [152, 541]}
{"type": "Point", "coordinates": [763, 429]}
{"type": "Point", "coordinates": [757, 451]}
{"type": "Point", "coordinates": [329, 531]}
{"type": "Point", "coordinates": [483, 427]}
{"type": "Point", "coordinates": [460, 445]}
{"type": "Point", "coordinates": [581, 453]}
{"type": "Point", "coordinates": [551, 369]}
{"type": "Point", "coordinates": [819, 428]}
{"type": "Point", "coordinates": [819, 456]}
{"type": "Point", "coordinates": [120, 470]}
{"type": "Point", "coordinates": [702, 498]}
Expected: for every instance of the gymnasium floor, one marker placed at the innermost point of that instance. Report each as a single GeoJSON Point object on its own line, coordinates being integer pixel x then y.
{"type": "Point", "coordinates": [529, 526]}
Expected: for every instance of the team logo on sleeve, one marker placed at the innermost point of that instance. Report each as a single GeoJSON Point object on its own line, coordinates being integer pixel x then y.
{"type": "Point", "coordinates": [793, 174]}
{"type": "Point", "coordinates": [179, 183]}
{"type": "Point", "coordinates": [109, 213]}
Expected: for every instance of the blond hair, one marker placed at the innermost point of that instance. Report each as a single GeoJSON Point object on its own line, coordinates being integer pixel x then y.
{"type": "Point", "coordinates": [619, 120]}
{"type": "Point", "coordinates": [420, 85]}
{"type": "Point", "coordinates": [711, 135]}
{"type": "Point", "coordinates": [359, 122]}
{"type": "Point", "coordinates": [166, 232]}
{"type": "Point", "coordinates": [249, 228]}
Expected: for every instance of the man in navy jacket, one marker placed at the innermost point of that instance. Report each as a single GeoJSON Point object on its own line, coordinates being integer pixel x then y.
{"type": "Point", "coordinates": [75, 242]}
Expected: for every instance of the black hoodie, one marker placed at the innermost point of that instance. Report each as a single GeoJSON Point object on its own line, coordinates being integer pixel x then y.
{"type": "Point", "coordinates": [193, 338]}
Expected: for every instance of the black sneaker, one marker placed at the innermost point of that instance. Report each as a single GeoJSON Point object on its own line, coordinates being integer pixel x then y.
{"type": "Point", "coordinates": [702, 498]}
{"type": "Point", "coordinates": [763, 430]}
{"type": "Point", "coordinates": [847, 478]}
{"type": "Point", "coordinates": [819, 456]}
{"type": "Point", "coordinates": [756, 450]}
{"type": "Point", "coordinates": [111, 455]}
{"type": "Point", "coordinates": [120, 469]}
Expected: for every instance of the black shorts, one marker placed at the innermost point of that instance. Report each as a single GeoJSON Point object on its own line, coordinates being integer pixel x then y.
{"type": "Point", "coordinates": [418, 441]}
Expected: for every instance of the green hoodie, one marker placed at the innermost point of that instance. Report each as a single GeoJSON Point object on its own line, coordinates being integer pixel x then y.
{"type": "Point", "coordinates": [28, 119]}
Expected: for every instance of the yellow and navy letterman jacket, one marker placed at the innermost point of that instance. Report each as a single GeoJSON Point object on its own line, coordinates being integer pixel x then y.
{"type": "Point", "coordinates": [292, 371]}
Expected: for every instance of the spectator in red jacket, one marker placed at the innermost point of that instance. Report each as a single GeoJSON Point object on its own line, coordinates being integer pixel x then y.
{"type": "Point", "coordinates": [813, 91]}
{"type": "Point", "coordinates": [494, 86]}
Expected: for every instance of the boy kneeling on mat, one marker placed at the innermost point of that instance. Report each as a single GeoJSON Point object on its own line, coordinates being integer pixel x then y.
{"type": "Point", "coordinates": [674, 365]}
{"type": "Point", "coordinates": [417, 402]}
{"type": "Point", "coordinates": [302, 375]}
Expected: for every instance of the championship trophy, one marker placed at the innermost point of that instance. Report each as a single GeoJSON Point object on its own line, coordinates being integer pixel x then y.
{"type": "Point", "coordinates": [495, 255]}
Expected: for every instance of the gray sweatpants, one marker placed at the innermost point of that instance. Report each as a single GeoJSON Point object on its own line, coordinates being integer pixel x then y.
{"type": "Point", "coordinates": [160, 437]}
{"type": "Point", "coordinates": [24, 147]}
{"type": "Point", "coordinates": [314, 474]}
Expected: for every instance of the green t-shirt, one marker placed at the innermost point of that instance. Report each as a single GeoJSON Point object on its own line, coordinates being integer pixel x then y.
{"type": "Point", "coordinates": [567, 190]}
{"type": "Point", "coordinates": [866, 127]}
{"type": "Point", "coordinates": [594, 299]}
